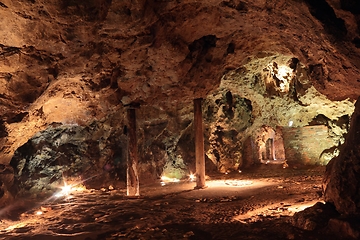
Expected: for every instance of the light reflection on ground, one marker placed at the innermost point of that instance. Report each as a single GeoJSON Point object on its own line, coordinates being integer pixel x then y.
{"type": "Point", "coordinates": [108, 214]}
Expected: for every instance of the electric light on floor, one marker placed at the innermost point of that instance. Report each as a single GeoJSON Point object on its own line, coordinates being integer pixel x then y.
{"type": "Point", "coordinates": [229, 183]}
{"type": "Point", "coordinates": [65, 191]}
{"type": "Point", "coordinates": [165, 179]}
{"type": "Point", "coordinates": [18, 225]}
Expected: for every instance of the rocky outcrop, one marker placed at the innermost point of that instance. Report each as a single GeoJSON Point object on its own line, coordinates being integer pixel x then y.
{"type": "Point", "coordinates": [323, 218]}
{"type": "Point", "coordinates": [6, 183]}
{"type": "Point", "coordinates": [342, 177]}
{"type": "Point", "coordinates": [255, 63]}
{"type": "Point", "coordinates": [92, 156]}
{"type": "Point", "coordinates": [315, 217]}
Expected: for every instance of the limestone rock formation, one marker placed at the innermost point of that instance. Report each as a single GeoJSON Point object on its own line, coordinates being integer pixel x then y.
{"type": "Point", "coordinates": [70, 153]}
{"type": "Point", "coordinates": [342, 177]}
{"type": "Point", "coordinates": [255, 63]}
{"type": "Point", "coordinates": [315, 217]}
{"type": "Point", "coordinates": [6, 182]}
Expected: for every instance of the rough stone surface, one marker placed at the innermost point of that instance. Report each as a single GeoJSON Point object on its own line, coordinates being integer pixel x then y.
{"type": "Point", "coordinates": [254, 62]}
{"type": "Point", "coordinates": [99, 54]}
{"type": "Point", "coordinates": [344, 228]}
{"type": "Point", "coordinates": [306, 145]}
{"type": "Point", "coordinates": [264, 104]}
{"type": "Point", "coordinates": [69, 153]}
{"type": "Point", "coordinates": [315, 217]}
{"type": "Point", "coordinates": [6, 182]}
{"type": "Point", "coordinates": [325, 219]}
{"type": "Point", "coordinates": [342, 177]}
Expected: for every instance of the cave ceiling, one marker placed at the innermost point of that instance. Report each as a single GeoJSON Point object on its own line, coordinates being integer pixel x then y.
{"type": "Point", "coordinates": [74, 61]}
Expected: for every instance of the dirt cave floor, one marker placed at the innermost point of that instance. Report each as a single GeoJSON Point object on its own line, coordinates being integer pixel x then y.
{"type": "Point", "coordinates": [256, 204]}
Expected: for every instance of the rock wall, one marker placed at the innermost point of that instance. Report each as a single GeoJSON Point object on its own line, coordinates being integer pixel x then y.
{"type": "Point", "coordinates": [226, 116]}
{"type": "Point", "coordinates": [279, 145]}
{"type": "Point", "coordinates": [237, 110]}
{"type": "Point", "coordinates": [342, 176]}
{"type": "Point", "coordinates": [255, 63]}
{"type": "Point", "coordinates": [160, 53]}
{"type": "Point", "coordinates": [93, 156]}
{"type": "Point", "coordinates": [305, 145]}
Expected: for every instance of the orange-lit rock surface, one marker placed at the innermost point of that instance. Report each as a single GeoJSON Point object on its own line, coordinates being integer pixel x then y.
{"type": "Point", "coordinates": [249, 205]}
{"type": "Point", "coordinates": [154, 52]}
{"type": "Point", "coordinates": [342, 173]}
{"type": "Point", "coordinates": [69, 68]}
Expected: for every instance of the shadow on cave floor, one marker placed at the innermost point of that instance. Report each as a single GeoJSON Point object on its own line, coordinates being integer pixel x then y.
{"type": "Point", "coordinates": [255, 204]}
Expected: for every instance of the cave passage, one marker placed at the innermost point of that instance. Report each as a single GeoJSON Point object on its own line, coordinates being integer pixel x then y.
{"type": "Point", "coordinates": [248, 125]}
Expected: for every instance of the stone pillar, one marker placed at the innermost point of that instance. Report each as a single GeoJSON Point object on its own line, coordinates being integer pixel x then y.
{"type": "Point", "coordinates": [270, 149]}
{"type": "Point", "coordinates": [199, 144]}
{"type": "Point", "coordinates": [132, 160]}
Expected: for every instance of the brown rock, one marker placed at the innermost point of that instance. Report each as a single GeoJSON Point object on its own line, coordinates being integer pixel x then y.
{"type": "Point", "coordinates": [73, 62]}
{"type": "Point", "coordinates": [343, 229]}
{"type": "Point", "coordinates": [315, 217]}
{"type": "Point", "coordinates": [342, 177]}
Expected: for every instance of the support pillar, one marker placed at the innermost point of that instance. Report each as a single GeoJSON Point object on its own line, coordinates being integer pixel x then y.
{"type": "Point", "coordinates": [199, 144]}
{"type": "Point", "coordinates": [132, 178]}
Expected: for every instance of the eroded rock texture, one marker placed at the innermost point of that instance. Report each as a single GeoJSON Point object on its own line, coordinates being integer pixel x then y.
{"type": "Point", "coordinates": [85, 155]}
{"type": "Point", "coordinates": [315, 217]}
{"type": "Point", "coordinates": [257, 64]}
{"type": "Point", "coordinates": [342, 177]}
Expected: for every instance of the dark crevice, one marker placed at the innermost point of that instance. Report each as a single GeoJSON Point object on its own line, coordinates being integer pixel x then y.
{"type": "Point", "coordinates": [238, 5]}
{"type": "Point", "coordinates": [90, 10]}
{"type": "Point", "coordinates": [17, 118]}
{"type": "Point", "coordinates": [201, 46]}
{"type": "Point", "coordinates": [316, 73]}
{"type": "Point", "coordinates": [248, 104]}
{"type": "Point", "coordinates": [217, 155]}
{"type": "Point", "coordinates": [229, 99]}
{"type": "Point", "coordinates": [356, 42]}
{"type": "Point", "coordinates": [8, 50]}
{"type": "Point", "coordinates": [293, 63]}
{"type": "Point", "coordinates": [352, 6]}
{"type": "Point", "coordinates": [231, 48]}
{"type": "Point", "coordinates": [3, 131]}
{"type": "Point", "coordinates": [229, 107]}
{"type": "Point", "coordinates": [326, 15]}
{"type": "Point", "coordinates": [3, 5]}
{"type": "Point", "coordinates": [319, 120]}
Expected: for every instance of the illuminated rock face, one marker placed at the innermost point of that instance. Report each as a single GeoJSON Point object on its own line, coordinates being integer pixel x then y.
{"type": "Point", "coordinates": [72, 154]}
{"type": "Point", "coordinates": [255, 63]}
{"type": "Point", "coordinates": [306, 145]}
{"type": "Point", "coordinates": [342, 177]}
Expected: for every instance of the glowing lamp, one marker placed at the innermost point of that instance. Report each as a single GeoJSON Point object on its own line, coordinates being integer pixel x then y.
{"type": "Point", "coordinates": [290, 123]}
{"type": "Point", "coordinates": [65, 191]}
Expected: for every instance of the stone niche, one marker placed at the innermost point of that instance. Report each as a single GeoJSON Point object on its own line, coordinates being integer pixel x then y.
{"type": "Point", "coordinates": [266, 146]}
{"type": "Point", "coordinates": [296, 145]}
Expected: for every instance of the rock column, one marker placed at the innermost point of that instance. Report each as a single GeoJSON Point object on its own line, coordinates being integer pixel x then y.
{"type": "Point", "coordinates": [199, 144]}
{"type": "Point", "coordinates": [132, 160]}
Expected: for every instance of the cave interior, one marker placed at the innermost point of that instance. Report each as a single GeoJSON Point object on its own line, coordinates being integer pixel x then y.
{"type": "Point", "coordinates": [180, 119]}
